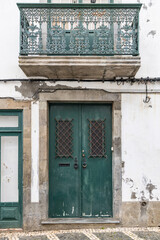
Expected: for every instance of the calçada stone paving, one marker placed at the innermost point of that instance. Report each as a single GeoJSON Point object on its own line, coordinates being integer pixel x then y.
{"type": "Point", "coordinates": [86, 234]}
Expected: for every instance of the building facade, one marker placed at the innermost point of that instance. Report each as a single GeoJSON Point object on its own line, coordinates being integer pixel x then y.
{"type": "Point", "coordinates": [79, 113]}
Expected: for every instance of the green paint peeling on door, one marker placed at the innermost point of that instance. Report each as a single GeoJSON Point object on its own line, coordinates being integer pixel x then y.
{"type": "Point", "coordinates": [80, 167]}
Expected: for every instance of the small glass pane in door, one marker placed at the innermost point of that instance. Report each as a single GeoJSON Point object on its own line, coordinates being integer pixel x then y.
{"type": "Point", "coordinates": [9, 169]}
{"type": "Point", "coordinates": [8, 121]}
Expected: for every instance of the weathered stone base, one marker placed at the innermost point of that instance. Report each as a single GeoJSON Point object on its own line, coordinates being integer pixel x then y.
{"type": "Point", "coordinates": [145, 214]}
{"type": "Point", "coordinates": [77, 226]}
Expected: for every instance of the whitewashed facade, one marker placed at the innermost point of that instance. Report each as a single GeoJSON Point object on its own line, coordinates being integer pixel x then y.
{"type": "Point", "coordinates": [139, 129]}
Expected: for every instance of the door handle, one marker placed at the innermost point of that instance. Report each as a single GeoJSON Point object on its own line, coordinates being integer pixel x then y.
{"type": "Point", "coordinates": [75, 163]}
{"type": "Point", "coordinates": [84, 165]}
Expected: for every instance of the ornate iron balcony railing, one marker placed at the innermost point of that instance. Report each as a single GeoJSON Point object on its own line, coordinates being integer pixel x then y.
{"type": "Point", "coordinates": [79, 29]}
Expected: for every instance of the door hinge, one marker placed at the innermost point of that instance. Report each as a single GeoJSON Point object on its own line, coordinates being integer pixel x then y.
{"type": "Point", "coordinates": [112, 149]}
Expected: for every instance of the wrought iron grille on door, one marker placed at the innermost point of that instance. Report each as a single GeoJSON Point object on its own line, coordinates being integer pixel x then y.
{"type": "Point", "coordinates": [97, 146]}
{"type": "Point", "coordinates": [64, 138]}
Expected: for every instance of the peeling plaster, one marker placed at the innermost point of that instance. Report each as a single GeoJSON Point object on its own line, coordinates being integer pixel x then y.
{"type": "Point", "coordinates": [133, 195]}
{"type": "Point", "coordinates": [143, 198]}
{"type": "Point", "coordinates": [152, 33]}
{"type": "Point", "coordinates": [144, 6]}
{"type": "Point", "coordinates": [129, 182]}
{"type": "Point", "coordinates": [28, 89]}
{"type": "Point", "coordinates": [150, 187]}
{"type": "Point", "coordinates": [150, 3]}
{"type": "Point", "coordinates": [143, 193]}
{"type": "Point", "coordinates": [123, 164]}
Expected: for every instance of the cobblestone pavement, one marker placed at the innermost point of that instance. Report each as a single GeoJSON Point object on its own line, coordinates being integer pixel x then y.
{"type": "Point", "coordinates": [87, 234]}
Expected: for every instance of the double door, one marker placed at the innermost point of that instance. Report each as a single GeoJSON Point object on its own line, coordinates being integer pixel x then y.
{"type": "Point", "coordinates": [80, 165]}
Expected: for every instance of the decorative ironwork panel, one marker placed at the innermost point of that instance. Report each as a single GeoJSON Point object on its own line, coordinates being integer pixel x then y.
{"type": "Point", "coordinates": [79, 29]}
{"type": "Point", "coordinates": [97, 147]}
{"type": "Point", "coordinates": [64, 138]}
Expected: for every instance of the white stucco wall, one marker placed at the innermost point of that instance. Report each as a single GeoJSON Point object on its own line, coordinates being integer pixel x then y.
{"type": "Point", "coordinates": [149, 38]}
{"type": "Point", "coordinates": [141, 147]}
{"type": "Point", "coordinates": [9, 39]}
{"type": "Point", "coordinates": [149, 43]}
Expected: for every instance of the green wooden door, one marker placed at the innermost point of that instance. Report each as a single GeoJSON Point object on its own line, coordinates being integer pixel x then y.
{"type": "Point", "coordinates": [96, 161]}
{"type": "Point", "coordinates": [64, 150]}
{"type": "Point", "coordinates": [80, 166]}
{"type": "Point", "coordinates": [10, 169]}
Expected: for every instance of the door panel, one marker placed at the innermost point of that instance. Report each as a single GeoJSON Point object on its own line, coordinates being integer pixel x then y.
{"type": "Point", "coordinates": [11, 183]}
{"type": "Point", "coordinates": [9, 169]}
{"type": "Point", "coordinates": [80, 170]}
{"type": "Point", "coordinates": [64, 145]}
{"type": "Point", "coordinates": [97, 175]}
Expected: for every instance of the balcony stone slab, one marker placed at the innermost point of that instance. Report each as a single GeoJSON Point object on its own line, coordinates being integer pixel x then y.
{"type": "Point", "coordinates": [80, 67]}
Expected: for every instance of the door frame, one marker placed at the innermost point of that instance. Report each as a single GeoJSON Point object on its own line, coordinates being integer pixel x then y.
{"type": "Point", "coordinates": [80, 96]}
{"type": "Point", "coordinates": [8, 104]}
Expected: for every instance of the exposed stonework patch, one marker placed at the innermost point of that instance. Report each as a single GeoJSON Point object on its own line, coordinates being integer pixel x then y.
{"type": "Point", "coordinates": [152, 33]}
{"type": "Point", "coordinates": [28, 89]}
{"type": "Point", "coordinates": [150, 3]}
{"type": "Point", "coordinates": [144, 6]}
{"type": "Point", "coordinates": [123, 164]}
{"type": "Point", "coordinates": [133, 195]}
{"type": "Point", "coordinates": [143, 193]}
{"type": "Point", "coordinates": [150, 187]}
{"type": "Point", "coordinates": [31, 89]}
{"type": "Point", "coordinates": [143, 198]}
{"type": "Point", "coordinates": [129, 182]}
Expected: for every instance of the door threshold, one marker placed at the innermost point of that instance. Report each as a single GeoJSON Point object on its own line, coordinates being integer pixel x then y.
{"type": "Point", "coordinates": [8, 230]}
{"type": "Point", "coordinates": [51, 221]}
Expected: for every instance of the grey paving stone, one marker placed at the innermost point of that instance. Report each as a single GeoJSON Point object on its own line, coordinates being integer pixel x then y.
{"type": "Point", "coordinates": [148, 235]}
{"type": "Point", "coordinates": [4, 238]}
{"type": "Point", "coordinates": [112, 236]}
{"type": "Point", "coordinates": [43, 237]}
{"type": "Point", "coordinates": [72, 236]}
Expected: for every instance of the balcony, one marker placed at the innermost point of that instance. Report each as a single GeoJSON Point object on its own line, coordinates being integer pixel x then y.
{"type": "Point", "coordinates": [79, 41]}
